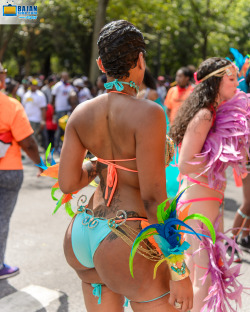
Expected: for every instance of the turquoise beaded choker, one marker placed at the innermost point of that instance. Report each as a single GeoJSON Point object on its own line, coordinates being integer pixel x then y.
{"type": "Point", "coordinates": [119, 85]}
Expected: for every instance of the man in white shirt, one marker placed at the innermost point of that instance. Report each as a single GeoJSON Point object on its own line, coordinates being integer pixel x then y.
{"type": "Point", "coordinates": [83, 93]}
{"type": "Point", "coordinates": [34, 102]}
{"type": "Point", "coordinates": [47, 88]}
{"type": "Point", "coordinates": [23, 88]}
{"type": "Point", "coordinates": [60, 101]}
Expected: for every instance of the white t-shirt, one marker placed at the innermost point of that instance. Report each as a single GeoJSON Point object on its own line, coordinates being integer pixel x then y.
{"type": "Point", "coordinates": [20, 92]}
{"type": "Point", "coordinates": [61, 92]}
{"type": "Point", "coordinates": [84, 95]}
{"type": "Point", "coordinates": [33, 102]}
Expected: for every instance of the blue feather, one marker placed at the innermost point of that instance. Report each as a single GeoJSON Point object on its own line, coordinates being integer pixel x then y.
{"type": "Point", "coordinates": [189, 232]}
{"type": "Point", "coordinates": [42, 164]}
{"type": "Point", "coordinates": [52, 159]}
{"type": "Point", "coordinates": [179, 222]}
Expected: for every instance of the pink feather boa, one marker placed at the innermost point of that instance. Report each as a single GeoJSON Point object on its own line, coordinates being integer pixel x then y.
{"type": "Point", "coordinates": [224, 284]}
{"type": "Point", "coordinates": [227, 143]}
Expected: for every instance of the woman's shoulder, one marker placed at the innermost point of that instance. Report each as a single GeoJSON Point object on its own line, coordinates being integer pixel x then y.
{"type": "Point", "coordinates": [204, 114]}
{"type": "Point", "coordinates": [147, 106]}
{"type": "Point", "coordinates": [203, 118]}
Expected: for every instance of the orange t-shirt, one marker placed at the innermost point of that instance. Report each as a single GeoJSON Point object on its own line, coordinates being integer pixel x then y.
{"type": "Point", "coordinates": [175, 97]}
{"type": "Point", "coordinates": [13, 118]}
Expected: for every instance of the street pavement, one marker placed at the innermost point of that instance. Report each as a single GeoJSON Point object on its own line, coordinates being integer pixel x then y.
{"type": "Point", "coordinates": [46, 283]}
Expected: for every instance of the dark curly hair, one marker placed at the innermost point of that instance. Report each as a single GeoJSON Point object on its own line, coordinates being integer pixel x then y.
{"type": "Point", "coordinates": [149, 80]}
{"type": "Point", "coordinates": [120, 43]}
{"type": "Point", "coordinates": [203, 96]}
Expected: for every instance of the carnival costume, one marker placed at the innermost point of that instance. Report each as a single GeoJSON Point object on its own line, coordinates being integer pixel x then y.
{"type": "Point", "coordinates": [158, 242]}
{"type": "Point", "coordinates": [243, 63]}
{"type": "Point", "coordinates": [227, 144]}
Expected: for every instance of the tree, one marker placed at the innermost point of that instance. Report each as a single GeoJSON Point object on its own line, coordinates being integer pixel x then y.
{"type": "Point", "coordinates": [176, 32]}
{"type": "Point", "coordinates": [6, 34]}
{"type": "Point", "coordinates": [99, 23]}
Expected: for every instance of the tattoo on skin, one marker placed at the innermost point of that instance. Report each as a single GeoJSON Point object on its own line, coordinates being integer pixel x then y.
{"type": "Point", "coordinates": [91, 169]}
{"type": "Point", "coordinates": [112, 236]}
{"type": "Point", "coordinates": [207, 117]}
{"type": "Point", "coordinates": [116, 202]}
{"type": "Point", "coordinates": [103, 211]}
{"type": "Point", "coordinates": [99, 168]}
{"type": "Point", "coordinates": [130, 214]}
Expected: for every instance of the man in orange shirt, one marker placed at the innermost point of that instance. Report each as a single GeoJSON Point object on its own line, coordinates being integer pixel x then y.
{"type": "Point", "coordinates": [178, 94]}
{"type": "Point", "coordinates": [15, 133]}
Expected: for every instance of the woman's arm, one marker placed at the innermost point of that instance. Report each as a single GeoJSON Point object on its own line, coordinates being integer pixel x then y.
{"type": "Point", "coordinates": [193, 142]}
{"type": "Point", "coordinates": [150, 151]}
{"type": "Point", "coordinates": [73, 174]}
{"type": "Point", "coordinates": [150, 157]}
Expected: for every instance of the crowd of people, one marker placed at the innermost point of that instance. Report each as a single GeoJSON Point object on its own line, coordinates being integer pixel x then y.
{"type": "Point", "coordinates": [46, 100]}
{"type": "Point", "coordinates": [123, 120]}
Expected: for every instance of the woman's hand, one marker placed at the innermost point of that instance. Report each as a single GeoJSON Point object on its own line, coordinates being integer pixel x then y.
{"type": "Point", "coordinates": [181, 292]}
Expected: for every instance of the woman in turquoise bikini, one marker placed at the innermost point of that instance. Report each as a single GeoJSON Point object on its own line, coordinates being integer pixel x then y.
{"type": "Point", "coordinates": [128, 137]}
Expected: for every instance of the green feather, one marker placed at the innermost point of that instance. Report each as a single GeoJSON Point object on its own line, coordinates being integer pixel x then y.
{"type": "Point", "coordinates": [206, 221]}
{"type": "Point", "coordinates": [53, 190]}
{"type": "Point", "coordinates": [173, 204]}
{"type": "Point", "coordinates": [136, 245]}
{"type": "Point", "coordinates": [69, 210]}
{"type": "Point", "coordinates": [47, 155]}
{"type": "Point", "coordinates": [163, 214]}
{"type": "Point", "coordinates": [58, 205]}
{"type": "Point", "coordinates": [161, 211]}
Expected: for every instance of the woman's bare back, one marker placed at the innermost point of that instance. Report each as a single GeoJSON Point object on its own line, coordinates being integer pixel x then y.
{"type": "Point", "coordinates": [106, 126]}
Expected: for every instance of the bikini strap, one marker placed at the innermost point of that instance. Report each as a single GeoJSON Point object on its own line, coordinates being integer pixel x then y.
{"type": "Point", "coordinates": [97, 291]}
{"type": "Point", "coordinates": [146, 301]}
{"type": "Point", "coordinates": [202, 184]}
{"type": "Point", "coordinates": [112, 178]}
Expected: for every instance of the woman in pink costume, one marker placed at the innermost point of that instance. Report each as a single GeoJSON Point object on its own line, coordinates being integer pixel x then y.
{"type": "Point", "coordinates": [212, 129]}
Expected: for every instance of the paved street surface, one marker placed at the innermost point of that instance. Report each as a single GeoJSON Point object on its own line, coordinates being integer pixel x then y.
{"type": "Point", "coordinates": [46, 282]}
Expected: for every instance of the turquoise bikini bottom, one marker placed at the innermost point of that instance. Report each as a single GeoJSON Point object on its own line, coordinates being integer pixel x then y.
{"type": "Point", "coordinates": [87, 234]}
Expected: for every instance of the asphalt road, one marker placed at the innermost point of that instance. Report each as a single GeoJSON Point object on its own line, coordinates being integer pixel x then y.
{"type": "Point", "coordinates": [46, 282]}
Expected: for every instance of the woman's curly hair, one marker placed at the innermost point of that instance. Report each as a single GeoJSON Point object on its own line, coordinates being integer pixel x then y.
{"type": "Point", "coordinates": [203, 96]}
{"type": "Point", "coordinates": [120, 43]}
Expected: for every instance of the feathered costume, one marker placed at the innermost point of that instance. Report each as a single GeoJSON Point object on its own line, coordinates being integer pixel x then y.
{"type": "Point", "coordinates": [168, 237]}
{"type": "Point", "coordinates": [228, 141]}
{"type": "Point", "coordinates": [227, 144]}
{"type": "Point", "coordinates": [224, 284]}
{"type": "Point", "coordinates": [243, 63]}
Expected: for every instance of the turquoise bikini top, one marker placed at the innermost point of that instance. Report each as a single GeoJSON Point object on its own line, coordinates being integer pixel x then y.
{"type": "Point", "coordinates": [119, 85]}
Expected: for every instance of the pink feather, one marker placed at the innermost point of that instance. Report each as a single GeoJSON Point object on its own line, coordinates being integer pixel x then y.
{"type": "Point", "coordinates": [225, 286]}
{"type": "Point", "coordinates": [228, 141]}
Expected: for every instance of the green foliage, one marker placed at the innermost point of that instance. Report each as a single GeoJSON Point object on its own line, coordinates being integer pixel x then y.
{"type": "Point", "coordinates": [177, 33]}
